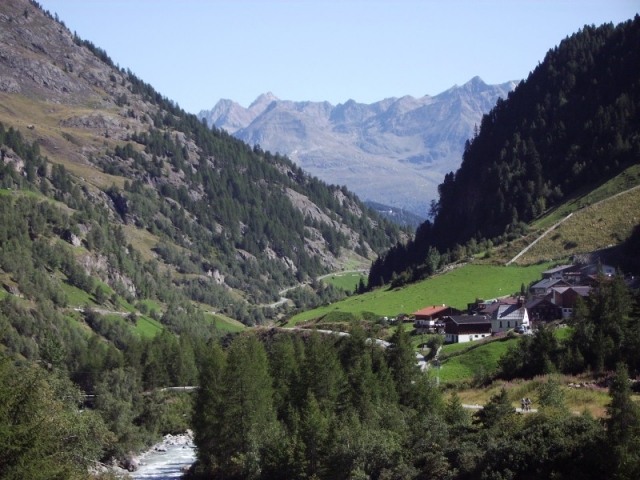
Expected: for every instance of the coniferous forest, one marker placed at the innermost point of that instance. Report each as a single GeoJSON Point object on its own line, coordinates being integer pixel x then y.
{"type": "Point", "coordinates": [570, 126]}
{"type": "Point", "coordinates": [319, 406]}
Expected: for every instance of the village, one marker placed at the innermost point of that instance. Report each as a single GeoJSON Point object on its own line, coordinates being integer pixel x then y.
{"type": "Point", "coordinates": [552, 299]}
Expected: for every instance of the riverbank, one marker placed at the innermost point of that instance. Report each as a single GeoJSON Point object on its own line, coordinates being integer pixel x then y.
{"type": "Point", "coordinates": [168, 459]}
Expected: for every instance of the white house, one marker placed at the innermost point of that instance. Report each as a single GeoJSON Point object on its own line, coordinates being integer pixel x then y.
{"type": "Point", "coordinates": [508, 317]}
{"type": "Point", "coordinates": [466, 328]}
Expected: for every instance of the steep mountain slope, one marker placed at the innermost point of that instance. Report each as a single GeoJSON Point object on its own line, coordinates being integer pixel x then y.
{"type": "Point", "coordinates": [571, 126]}
{"type": "Point", "coordinates": [150, 195]}
{"type": "Point", "coordinates": [394, 151]}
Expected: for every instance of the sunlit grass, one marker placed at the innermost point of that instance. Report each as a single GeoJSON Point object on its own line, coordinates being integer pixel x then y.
{"type": "Point", "coordinates": [455, 288]}
{"type": "Point", "coordinates": [147, 326]}
{"type": "Point", "coordinates": [586, 398]}
{"type": "Point", "coordinates": [480, 360]}
{"type": "Point", "coordinates": [346, 281]}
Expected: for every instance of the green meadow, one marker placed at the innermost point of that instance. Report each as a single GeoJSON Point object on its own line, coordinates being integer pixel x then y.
{"type": "Point", "coordinates": [477, 359]}
{"type": "Point", "coordinates": [147, 327]}
{"type": "Point", "coordinates": [456, 288]}
{"type": "Point", "coordinates": [347, 281]}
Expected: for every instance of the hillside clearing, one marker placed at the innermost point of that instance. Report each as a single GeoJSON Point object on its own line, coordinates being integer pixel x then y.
{"type": "Point", "coordinates": [456, 288]}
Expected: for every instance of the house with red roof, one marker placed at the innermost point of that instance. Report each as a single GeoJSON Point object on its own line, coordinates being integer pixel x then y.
{"type": "Point", "coordinates": [428, 319]}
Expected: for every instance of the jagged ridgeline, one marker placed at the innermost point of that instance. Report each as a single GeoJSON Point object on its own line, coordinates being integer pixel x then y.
{"type": "Point", "coordinates": [571, 125]}
{"type": "Point", "coordinates": [151, 202]}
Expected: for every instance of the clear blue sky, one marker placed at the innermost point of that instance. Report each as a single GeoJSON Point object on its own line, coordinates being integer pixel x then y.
{"type": "Point", "coordinates": [196, 52]}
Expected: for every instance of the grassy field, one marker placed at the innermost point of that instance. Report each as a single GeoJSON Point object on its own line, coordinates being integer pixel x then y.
{"type": "Point", "coordinates": [590, 399]}
{"type": "Point", "coordinates": [455, 288]}
{"type": "Point", "coordinates": [77, 297]}
{"type": "Point", "coordinates": [225, 323]}
{"type": "Point", "coordinates": [563, 333]}
{"type": "Point", "coordinates": [147, 326]}
{"type": "Point", "coordinates": [346, 281]}
{"type": "Point", "coordinates": [482, 359]}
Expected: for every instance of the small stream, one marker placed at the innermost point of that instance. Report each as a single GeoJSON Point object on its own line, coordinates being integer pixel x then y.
{"type": "Point", "coordinates": [166, 460]}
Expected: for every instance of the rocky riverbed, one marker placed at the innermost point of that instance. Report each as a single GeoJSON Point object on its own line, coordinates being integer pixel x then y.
{"type": "Point", "coordinates": [167, 459]}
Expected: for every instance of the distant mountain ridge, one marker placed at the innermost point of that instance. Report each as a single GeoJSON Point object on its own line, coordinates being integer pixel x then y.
{"type": "Point", "coordinates": [395, 151]}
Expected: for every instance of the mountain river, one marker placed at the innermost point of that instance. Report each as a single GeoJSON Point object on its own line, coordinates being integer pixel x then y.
{"type": "Point", "coordinates": [166, 460]}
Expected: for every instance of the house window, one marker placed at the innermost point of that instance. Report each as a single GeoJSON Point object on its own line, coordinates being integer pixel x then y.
{"type": "Point", "coordinates": [509, 324]}
{"type": "Point", "coordinates": [500, 323]}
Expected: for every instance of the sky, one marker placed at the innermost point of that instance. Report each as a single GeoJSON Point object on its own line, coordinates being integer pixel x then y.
{"type": "Point", "coordinates": [196, 52]}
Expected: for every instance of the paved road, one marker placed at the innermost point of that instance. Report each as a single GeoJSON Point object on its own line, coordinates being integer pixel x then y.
{"type": "Point", "coordinates": [284, 299]}
{"type": "Point", "coordinates": [475, 406]}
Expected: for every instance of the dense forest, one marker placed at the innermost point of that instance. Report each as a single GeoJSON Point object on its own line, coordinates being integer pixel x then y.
{"type": "Point", "coordinates": [277, 404]}
{"type": "Point", "coordinates": [571, 125]}
{"type": "Point", "coordinates": [284, 406]}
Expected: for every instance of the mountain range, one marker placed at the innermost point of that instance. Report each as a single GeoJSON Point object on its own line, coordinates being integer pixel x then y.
{"type": "Point", "coordinates": [394, 152]}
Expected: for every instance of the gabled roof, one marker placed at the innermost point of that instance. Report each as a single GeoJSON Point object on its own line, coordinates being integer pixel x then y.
{"type": "Point", "coordinates": [548, 283]}
{"type": "Point", "coordinates": [558, 269]}
{"type": "Point", "coordinates": [469, 319]}
{"type": "Point", "coordinates": [538, 301]}
{"type": "Point", "coordinates": [427, 311]}
{"type": "Point", "coordinates": [580, 290]}
{"type": "Point", "coordinates": [510, 312]}
{"type": "Point", "coordinates": [491, 309]}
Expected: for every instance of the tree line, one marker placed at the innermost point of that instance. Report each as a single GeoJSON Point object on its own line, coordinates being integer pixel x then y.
{"type": "Point", "coordinates": [279, 406]}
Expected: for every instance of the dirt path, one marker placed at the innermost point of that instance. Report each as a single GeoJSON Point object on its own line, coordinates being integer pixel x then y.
{"type": "Point", "coordinates": [545, 233]}
{"type": "Point", "coordinates": [554, 226]}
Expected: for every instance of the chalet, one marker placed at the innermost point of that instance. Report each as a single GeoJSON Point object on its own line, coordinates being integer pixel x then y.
{"type": "Point", "coordinates": [565, 298]}
{"type": "Point", "coordinates": [428, 319]}
{"type": "Point", "coordinates": [557, 272]}
{"type": "Point", "coordinates": [490, 309]}
{"type": "Point", "coordinates": [510, 316]}
{"type": "Point", "coordinates": [543, 287]}
{"type": "Point", "coordinates": [542, 310]}
{"type": "Point", "coordinates": [466, 328]}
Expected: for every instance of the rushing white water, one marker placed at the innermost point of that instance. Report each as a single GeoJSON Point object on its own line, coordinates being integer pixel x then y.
{"type": "Point", "coordinates": [165, 461]}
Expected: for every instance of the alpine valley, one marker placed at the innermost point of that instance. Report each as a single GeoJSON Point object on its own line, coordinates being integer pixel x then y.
{"type": "Point", "coordinates": [145, 257]}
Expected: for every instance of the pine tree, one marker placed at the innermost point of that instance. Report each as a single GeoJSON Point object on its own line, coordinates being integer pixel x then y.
{"type": "Point", "coordinates": [247, 416]}
{"type": "Point", "coordinates": [206, 419]}
{"type": "Point", "coordinates": [497, 411]}
{"type": "Point", "coordinates": [402, 363]}
{"type": "Point", "coordinates": [623, 427]}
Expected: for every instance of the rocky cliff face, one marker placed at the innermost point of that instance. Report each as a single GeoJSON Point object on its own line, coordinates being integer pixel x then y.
{"type": "Point", "coordinates": [395, 151]}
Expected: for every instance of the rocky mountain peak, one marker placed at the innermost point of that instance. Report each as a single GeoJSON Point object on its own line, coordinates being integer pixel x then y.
{"type": "Point", "coordinates": [263, 101]}
{"type": "Point", "coordinates": [395, 151]}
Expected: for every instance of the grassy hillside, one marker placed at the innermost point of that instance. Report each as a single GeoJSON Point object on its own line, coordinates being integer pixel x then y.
{"type": "Point", "coordinates": [475, 360]}
{"type": "Point", "coordinates": [601, 217]}
{"type": "Point", "coordinates": [347, 281]}
{"type": "Point", "coordinates": [624, 181]}
{"type": "Point", "coordinates": [455, 288]}
{"type": "Point", "coordinates": [605, 224]}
